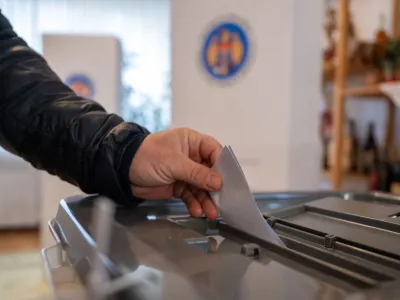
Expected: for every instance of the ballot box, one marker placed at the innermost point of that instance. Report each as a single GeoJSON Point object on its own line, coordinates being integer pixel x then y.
{"type": "Point", "coordinates": [339, 246]}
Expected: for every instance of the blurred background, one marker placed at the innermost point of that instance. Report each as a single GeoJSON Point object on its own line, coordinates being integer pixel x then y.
{"type": "Point", "coordinates": [308, 100]}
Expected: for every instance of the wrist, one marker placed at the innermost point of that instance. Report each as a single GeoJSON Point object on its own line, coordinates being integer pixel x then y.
{"type": "Point", "coordinates": [127, 155]}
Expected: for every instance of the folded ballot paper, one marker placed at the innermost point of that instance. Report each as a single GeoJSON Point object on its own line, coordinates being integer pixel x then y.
{"type": "Point", "coordinates": [235, 201]}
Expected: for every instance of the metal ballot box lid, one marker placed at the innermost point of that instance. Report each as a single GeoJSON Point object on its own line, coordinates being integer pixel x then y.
{"type": "Point", "coordinates": [339, 246]}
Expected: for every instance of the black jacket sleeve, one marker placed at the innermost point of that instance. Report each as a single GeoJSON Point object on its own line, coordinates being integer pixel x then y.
{"type": "Point", "coordinates": [46, 123]}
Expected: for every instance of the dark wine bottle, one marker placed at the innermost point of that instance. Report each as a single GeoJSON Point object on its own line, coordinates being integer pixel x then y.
{"type": "Point", "coordinates": [326, 134]}
{"type": "Point", "coordinates": [354, 146]}
{"type": "Point", "coordinates": [384, 173]}
{"type": "Point", "coordinates": [370, 150]}
{"type": "Point", "coordinates": [395, 185]}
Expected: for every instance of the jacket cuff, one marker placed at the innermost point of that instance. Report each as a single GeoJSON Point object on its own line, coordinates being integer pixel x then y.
{"type": "Point", "coordinates": [125, 164]}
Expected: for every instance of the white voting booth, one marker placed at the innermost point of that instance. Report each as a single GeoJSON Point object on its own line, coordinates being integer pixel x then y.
{"type": "Point", "coordinates": [91, 66]}
{"type": "Point", "coordinates": [248, 73]}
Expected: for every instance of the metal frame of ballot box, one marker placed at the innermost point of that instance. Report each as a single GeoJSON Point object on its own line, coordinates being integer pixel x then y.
{"type": "Point", "coordinates": [339, 246]}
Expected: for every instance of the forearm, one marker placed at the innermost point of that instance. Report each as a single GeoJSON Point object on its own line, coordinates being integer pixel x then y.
{"type": "Point", "coordinates": [47, 124]}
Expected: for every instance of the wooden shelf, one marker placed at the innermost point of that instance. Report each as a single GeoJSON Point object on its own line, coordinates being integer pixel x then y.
{"type": "Point", "coordinates": [354, 69]}
{"type": "Point", "coordinates": [339, 71]}
{"type": "Point", "coordinates": [364, 91]}
{"type": "Point", "coordinates": [368, 91]}
{"type": "Point", "coordinates": [347, 175]}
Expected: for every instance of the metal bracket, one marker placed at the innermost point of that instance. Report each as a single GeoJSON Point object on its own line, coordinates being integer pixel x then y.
{"type": "Point", "coordinates": [99, 285]}
{"type": "Point", "coordinates": [329, 241]}
{"type": "Point", "coordinates": [250, 250]}
{"type": "Point", "coordinates": [271, 221]}
{"type": "Point", "coordinates": [58, 273]}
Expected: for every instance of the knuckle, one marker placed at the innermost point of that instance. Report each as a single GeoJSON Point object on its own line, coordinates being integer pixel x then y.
{"type": "Point", "coordinates": [194, 174]}
{"type": "Point", "coordinates": [187, 132]}
{"type": "Point", "coordinates": [197, 174]}
{"type": "Point", "coordinates": [183, 130]}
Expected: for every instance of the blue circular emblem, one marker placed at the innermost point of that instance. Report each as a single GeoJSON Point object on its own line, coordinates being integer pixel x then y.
{"type": "Point", "coordinates": [225, 50]}
{"type": "Point", "coordinates": [81, 84]}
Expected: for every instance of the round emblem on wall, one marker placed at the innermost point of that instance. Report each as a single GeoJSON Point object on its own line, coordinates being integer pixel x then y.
{"type": "Point", "coordinates": [225, 50]}
{"type": "Point", "coordinates": [81, 84]}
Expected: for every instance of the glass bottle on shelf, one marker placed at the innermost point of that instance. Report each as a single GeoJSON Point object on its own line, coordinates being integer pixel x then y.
{"type": "Point", "coordinates": [395, 185]}
{"type": "Point", "coordinates": [354, 146]}
{"type": "Point", "coordinates": [370, 150]}
{"type": "Point", "coordinates": [385, 174]}
{"type": "Point", "coordinates": [346, 146]}
{"type": "Point", "coordinates": [326, 136]}
{"type": "Point", "coordinates": [381, 37]}
{"type": "Point", "coordinates": [381, 176]}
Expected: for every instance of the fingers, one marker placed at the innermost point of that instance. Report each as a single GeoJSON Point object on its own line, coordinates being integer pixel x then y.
{"type": "Point", "coordinates": [207, 204]}
{"type": "Point", "coordinates": [209, 149]}
{"type": "Point", "coordinates": [192, 204]}
{"type": "Point", "coordinates": [197, 201]}
{"type": "Point", "coordinates": [181, 190]}
{"type": "Point", "coordinates": [197, 175]}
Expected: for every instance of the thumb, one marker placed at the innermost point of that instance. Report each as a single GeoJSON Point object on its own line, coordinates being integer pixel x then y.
{"type": "Point", "coordinates": [198, 175]}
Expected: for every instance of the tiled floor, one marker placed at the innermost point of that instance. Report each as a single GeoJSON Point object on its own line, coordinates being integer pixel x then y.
{"type": "Point", "coordinates": [21, 272]}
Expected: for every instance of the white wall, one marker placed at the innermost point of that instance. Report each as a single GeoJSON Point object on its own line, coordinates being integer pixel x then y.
{"type": "Point", "coordinates": [19, 193]}
{"type": "Point", "coordinates": [269, 113]}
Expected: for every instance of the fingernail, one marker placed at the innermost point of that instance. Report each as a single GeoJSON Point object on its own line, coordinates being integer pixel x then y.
{"type": "Point", "coordinates": [212, 215]}
{"type": "Point", "coordinates": [214, 182]}
{"type": "Point", "coordinates": [196, 212]}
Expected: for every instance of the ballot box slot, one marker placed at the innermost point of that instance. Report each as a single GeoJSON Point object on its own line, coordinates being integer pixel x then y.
{"type": "Point", "coordinates": [282, 224]}
{"type": "Point", "coordinates": [346, 248]}
{"type": "Point", "coordinates": [355, 218]}
{"type": "Point", "coordinates": [356, 234]}
{"type": "Point", "coordinates": [321, 247]}
{"type": "Point", "coordinates": [364, 226]}
{"type": "Point", "coordinates": [370, 197]}
{"type": "Point", "coordinates": [254, 248]}
{"type": "Point", "coordinates": [296, 257]}
{"type": "Point", "coordinates": [298, 233]}
{"type": "Point", "coordinates": [333, 258]}
{"type": "Point", "coordinates": [308, 234]}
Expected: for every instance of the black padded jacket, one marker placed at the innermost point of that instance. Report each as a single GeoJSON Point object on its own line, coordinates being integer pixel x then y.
{"type": "Point", "coordinates": [43, 121]}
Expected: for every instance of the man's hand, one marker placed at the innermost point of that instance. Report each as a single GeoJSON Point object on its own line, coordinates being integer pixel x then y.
{"type": "Point", "coordinates": [176, 163]}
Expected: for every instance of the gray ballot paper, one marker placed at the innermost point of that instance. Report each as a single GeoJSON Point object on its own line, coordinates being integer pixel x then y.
{"type": "Point", "coordinates": [236, 203]}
